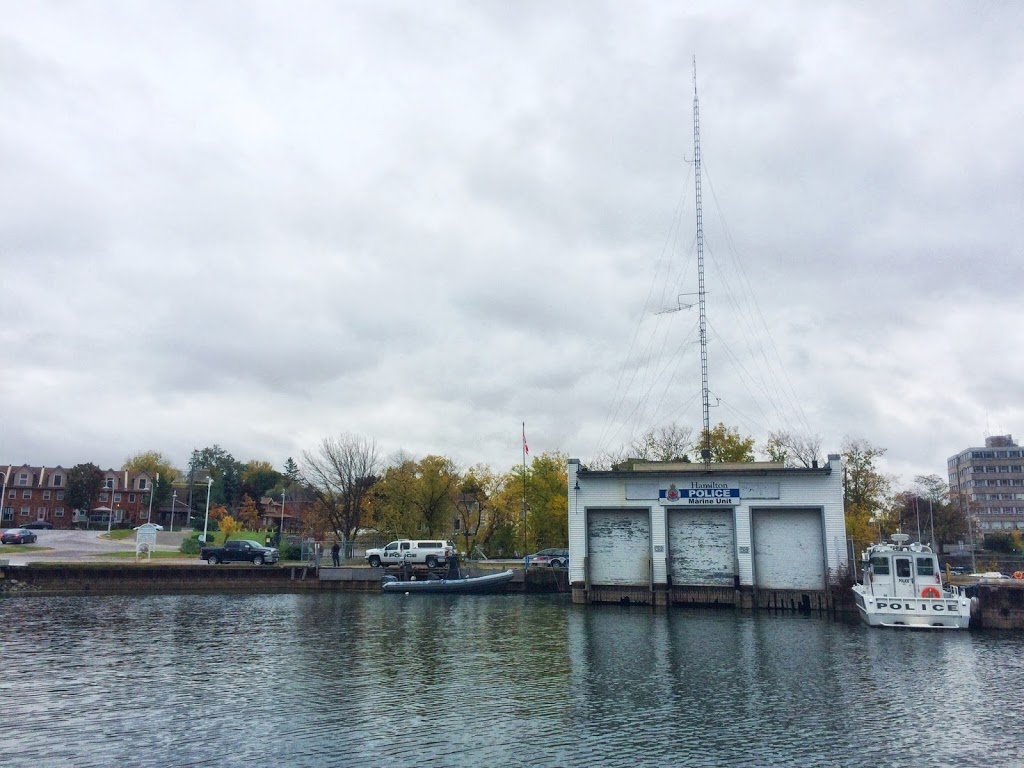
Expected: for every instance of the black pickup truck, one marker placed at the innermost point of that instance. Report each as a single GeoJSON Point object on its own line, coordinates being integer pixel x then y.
{"type": "Point", "coordinates": [239, 551]}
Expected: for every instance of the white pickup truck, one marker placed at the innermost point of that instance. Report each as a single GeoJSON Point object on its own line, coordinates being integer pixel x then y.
{"type": "Point", "coordinates": [431, 553]}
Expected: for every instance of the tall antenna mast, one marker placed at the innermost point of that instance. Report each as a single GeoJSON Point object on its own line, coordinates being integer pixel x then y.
{"type": "Point", "coordinates": [705, 451]}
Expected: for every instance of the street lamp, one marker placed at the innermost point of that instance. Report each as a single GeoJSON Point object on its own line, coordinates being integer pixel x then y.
{"type": "Point", "coordinates": [110, 517]}
{"type": "Point", "coordinates": [174, 500]}
{"type": "Point", "coordinates": [152, 488]}
{"type": "Point", "coordinates": [3, 497]}
{"type": "Point", "coordinates": [206, 521]}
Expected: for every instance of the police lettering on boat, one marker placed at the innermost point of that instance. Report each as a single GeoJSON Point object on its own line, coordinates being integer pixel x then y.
{"type": "Point", "coordinates": [902, 587]}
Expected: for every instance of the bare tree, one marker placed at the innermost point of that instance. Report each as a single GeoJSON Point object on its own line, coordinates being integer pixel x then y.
{"type": "Point", "coordinates": [794, 450]}
{"type": "Point", "coordinates": [668, 443]}
{"type": "Point", "coordinates": [340, 475]}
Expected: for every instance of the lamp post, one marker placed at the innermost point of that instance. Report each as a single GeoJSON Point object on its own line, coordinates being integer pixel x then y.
{"type": "Point", "coordinates": [280, 534]}
{"type": "Point", "coordinates": [152, 489]}
{"type": "Point", "coordinates": [206, 521]}
{"type": "Point", "coordinates": [3, 495]}
{"type": "Point", "coordinates": [110, 517]}
{"type": "Point", "coordinates": [174, 500]}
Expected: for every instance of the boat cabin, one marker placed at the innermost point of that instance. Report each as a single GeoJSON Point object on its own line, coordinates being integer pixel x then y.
{"type": "Point", "coordinates": [901, 569]}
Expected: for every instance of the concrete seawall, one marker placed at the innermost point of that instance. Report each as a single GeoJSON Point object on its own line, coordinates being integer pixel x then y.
{"type": "Point", "coordinates": [132, 578]}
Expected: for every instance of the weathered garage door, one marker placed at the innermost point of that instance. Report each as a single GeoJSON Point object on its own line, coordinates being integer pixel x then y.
{"type": "Point", "coordinates": [701, 547]}
{"type": "Point", "coordinates": [619, 547]}
{"type": "Point", "coordinates": [788, 549]}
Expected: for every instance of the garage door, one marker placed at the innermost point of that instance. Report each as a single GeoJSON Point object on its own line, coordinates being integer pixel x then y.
{"type": "Point", "coordinates": [619, 547]}
{"type": "Point", "coordinates": [701, 547]}
{"type": "Point", "coordinates": [788, 549]}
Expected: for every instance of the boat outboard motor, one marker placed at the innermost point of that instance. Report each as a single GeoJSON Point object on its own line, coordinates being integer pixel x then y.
{"type": "Point", "coordinates": [453, 568]}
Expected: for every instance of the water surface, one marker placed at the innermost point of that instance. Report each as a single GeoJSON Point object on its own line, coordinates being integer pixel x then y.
{"type": "Point", "coordinates": [445, 680]}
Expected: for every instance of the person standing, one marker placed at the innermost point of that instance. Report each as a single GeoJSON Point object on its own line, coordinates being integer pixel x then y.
{"type": "Point", "coordinates": [336, 554]}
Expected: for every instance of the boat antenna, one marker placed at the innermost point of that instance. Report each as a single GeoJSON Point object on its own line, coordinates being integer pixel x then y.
{"type": "Point", "coordinates": [705, 451]}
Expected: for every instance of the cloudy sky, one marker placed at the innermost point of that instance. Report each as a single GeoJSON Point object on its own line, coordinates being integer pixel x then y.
{"type": "Point", "coordinates": [259, 224]}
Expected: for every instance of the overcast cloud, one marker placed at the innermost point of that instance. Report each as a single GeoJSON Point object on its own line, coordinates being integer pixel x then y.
{"type": "Point", "coordinates": [260, 223]}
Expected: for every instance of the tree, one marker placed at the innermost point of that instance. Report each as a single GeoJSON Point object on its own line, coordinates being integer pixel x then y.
{"type": "Point", "coordinates": [228, 526]}
{"type": "Point", "coordinates": [472, 503]}
{"type": "Point", "coordinates": [391, 508]}
{"type": "Point", "coordinates": [225, 471]}
{"type": "Point", "coordinates": [945, 518]}
{"type": "Point", "coordinates": [668, 443]}
{"type": "Point", "coordinates": [547, 508]}
{"type": "Point", "coordinates": [547, 502]}
{"type": "Point", "coordinates": [865, 492]}
{"type": "Point", "coordinates": [437, 482]}
{"type": "Point", "coordinates": [159, 468]}
{"type": "Point", "coordinates": [84, 484]}
{"type": "Point", "coordinates": [415, 495]}
{"type": "Point", "coordinates": [340, 475]}
{"type": "Point", "coordinates": [793, 450]}
{"type": "Point", "coordinates": [727, 445]}
{"type": "Point", "coordinates": [292, 475]}
{"type": "Point", "coordinates": [258, 478]}
{"type": "Point", "coordinates": [249, 514]}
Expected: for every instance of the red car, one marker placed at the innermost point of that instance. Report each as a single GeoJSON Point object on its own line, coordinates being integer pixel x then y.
{"type": "Point", "coordinates": [17, 536]}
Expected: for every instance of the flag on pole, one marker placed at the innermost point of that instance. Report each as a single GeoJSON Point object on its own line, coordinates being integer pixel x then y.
{"type": "Point", "coordinates": [526, 448]}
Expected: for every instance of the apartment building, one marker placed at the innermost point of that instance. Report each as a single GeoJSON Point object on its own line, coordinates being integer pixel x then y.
{"type": "Point", "coordinates": [33, 494]}
{"type": "Point", "coordinates": [992, 478]}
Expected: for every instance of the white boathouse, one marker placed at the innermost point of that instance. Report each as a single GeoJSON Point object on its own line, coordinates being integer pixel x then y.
{"type": "Point", "coordinates": [750, 535]}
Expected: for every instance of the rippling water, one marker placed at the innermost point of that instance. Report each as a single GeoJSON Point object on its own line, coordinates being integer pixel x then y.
{"type": "Point", "coordinates": [382, 680]}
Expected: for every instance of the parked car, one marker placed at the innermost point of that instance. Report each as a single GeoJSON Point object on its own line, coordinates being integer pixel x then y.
{"type": "Point", "coordinates": [41, 525]}
{"type": "Point", "coordinates": [430, 553]}
{"type": "Point", "coordinates": [17, 536]}
{"type": "Point", "coordinates": [239, 551]}
{"type": "Point", "coordinates": [549, 558]}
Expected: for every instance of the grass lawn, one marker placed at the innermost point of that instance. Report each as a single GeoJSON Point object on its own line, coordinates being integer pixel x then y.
{"type": "Point", "coordinates": [118, 534]}
{"type": "Point", "coordinates": [17, 549]}
{"type": "Point", "coordinates": [159, 555]}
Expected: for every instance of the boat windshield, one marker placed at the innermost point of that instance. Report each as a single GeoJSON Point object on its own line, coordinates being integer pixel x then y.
{"type": "Point", "coordinates": [880, 565]}
{"type": "Point", "coordinates": [902, 567]}
{"type": "Point", "coordinates": [925, 566]}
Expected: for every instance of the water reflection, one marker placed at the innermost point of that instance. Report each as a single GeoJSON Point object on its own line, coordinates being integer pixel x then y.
{"type": "Point", "coordinates": [432, 680]}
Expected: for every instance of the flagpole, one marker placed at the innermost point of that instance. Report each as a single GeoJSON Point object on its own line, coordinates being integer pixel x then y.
{"type": "Point", "coordinates": [525, 544]}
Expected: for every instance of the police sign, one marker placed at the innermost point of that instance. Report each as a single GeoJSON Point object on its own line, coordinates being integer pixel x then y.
{"type": "Point", "coordinates": [701, 493]}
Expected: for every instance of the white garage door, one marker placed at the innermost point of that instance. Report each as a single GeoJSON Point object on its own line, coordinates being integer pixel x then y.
{"type": "Point", "coordinates": [788, 549]}
{"type": "Point", "coordinates": [701, 546]}
{"type": "Point", "coordinates": [619, 547]}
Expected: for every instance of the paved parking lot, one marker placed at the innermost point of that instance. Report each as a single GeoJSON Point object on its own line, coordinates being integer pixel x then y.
{"type": "Point", "coordinates": [72, 546]}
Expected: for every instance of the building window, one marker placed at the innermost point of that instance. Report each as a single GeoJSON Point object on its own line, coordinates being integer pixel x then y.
{"type": "Point", "coordinates": [46, 495]}
{"type": "Point", "coordinates": [104, 497]}
{"type": "Point", "coordinates": [26, 494]}
{"type": "Point", "coordinates": [111, 483]}
{"type": "Point", "coordinates": [58, 481]}
{"type": "Point", "coordinates": [40, 513]}
{"type": "Point", "coordinates": [8, 513]}
{"type": "Point", "coordinates": [142, 483]}
{"type": "Point", "coordinates": [131, 498]}
{"type": "Point", "coordinates": [12, 494]}
{"type": "Point", "coordinates": [25, 511]}
{"type": "Point", "coordinates": [117, 497]}
{"type": "Point", "coordinates": [58, 512]}
{"type": "Point", "coordinates": [23, 478]}
{"type": "Point", "coordinates": [60, 495]}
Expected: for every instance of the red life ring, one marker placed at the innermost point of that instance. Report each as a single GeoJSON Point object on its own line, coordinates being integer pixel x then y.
{"type": "Point", "coordinates": [1018, 574]}
{"type": "Point", "coordinates": [932, 592]}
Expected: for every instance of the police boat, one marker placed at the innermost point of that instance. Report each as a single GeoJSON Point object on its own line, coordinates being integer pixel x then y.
{"type": "Point", "coordinates": [902, 587]}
